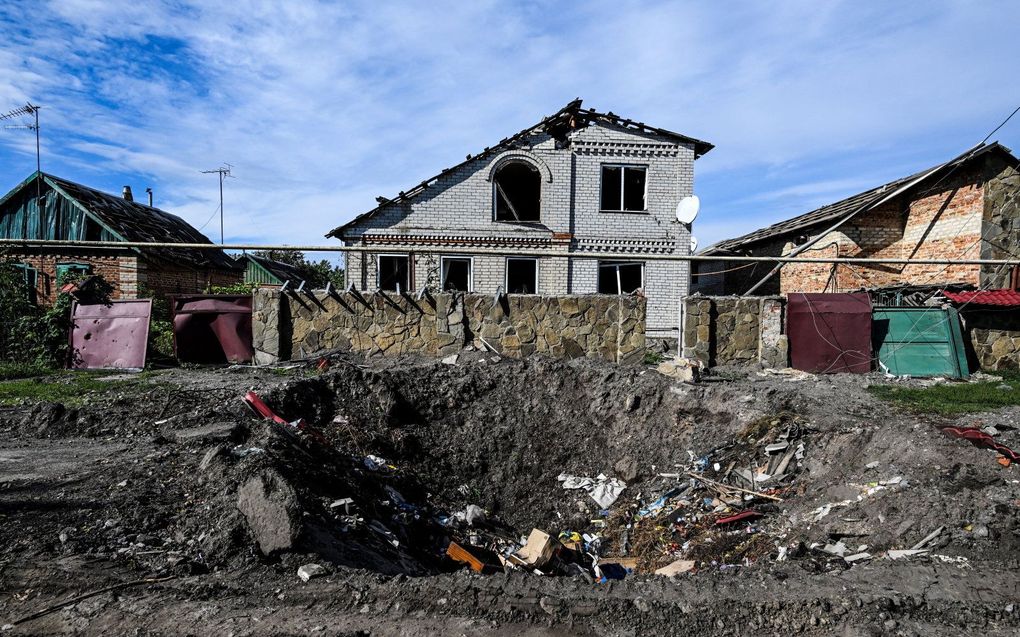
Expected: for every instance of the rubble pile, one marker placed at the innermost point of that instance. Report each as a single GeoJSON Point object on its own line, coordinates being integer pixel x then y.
{"type": "Point", "coordinates": [511, 491]}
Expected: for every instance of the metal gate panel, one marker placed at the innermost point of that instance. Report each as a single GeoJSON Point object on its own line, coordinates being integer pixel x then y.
{"type": "Point", "coordinates": [920, 341]}
{"type": "Point", "coordinates": [110, 336]}
{"type": "Point", "coordinates": [829, 333]}
{"type": "Point", "coordinates": [213, 328]}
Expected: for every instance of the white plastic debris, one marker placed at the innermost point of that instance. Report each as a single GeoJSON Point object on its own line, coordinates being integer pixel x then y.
{"type": "Point", "coordinates": [604, 490]}
{"type": "Point", "coordinates": [374, 463]}
{"type": "Point", "coordinates": [310, 571]}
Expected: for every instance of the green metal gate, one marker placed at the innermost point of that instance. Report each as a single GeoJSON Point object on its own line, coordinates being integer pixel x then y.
{"type": "Point", "coordinates": [919, 341]}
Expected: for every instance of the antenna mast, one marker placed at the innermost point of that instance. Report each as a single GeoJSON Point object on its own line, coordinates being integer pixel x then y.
{"type": "Point", "coordinates": [224, 172]}
{"type": "Point", "coordinates": [33, 111]}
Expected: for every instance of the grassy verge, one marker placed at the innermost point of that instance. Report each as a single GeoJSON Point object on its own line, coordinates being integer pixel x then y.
{"type": "Point", "coordinates": [954, 398]}
{"type": "Point", "coordinates": [11, 371]}
{"type": "Point", "coordinates": [71, 388]}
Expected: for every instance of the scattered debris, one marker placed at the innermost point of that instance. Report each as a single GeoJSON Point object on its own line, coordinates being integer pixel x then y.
{"type": "Point", "coordinates": [311, 571]}
{"type": "Point", "coordinates": [602, 489]}
{"type": "Point", "coordinates": [676, 568]}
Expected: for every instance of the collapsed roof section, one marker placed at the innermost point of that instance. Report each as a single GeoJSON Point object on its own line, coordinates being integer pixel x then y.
{"type": "Point", "coordinates": [558, 126]}
{"type": "Point", "coordinates": [119, 219]}
{"type": "Point", "coordinates": [852, 205]}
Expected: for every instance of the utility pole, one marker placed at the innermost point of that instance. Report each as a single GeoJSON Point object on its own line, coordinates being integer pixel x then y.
{"type": "Point", "coordinates": [224, 172]}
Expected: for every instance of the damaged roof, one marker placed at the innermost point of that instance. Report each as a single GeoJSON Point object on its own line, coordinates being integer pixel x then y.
{"type": "Point", "coordinates": [136, 222]}
{"type": "Point", "coordinates": [851, 205]}
{"type": "Point", "coordinates": [557, 125]}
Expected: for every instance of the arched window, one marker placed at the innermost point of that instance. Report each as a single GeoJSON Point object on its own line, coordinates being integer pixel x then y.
{"type": "Point", "coordinates": [517, 192]}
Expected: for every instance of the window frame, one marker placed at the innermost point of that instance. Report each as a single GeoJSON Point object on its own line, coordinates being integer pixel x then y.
{"type": "Point", "coordinates": [613, 263]}
{"type": "Point", "coordinates": [495, 192]}
{"type": "Point", "coordinates": [378, 270]}
{"type": "Point", "coordinates": [453, 257]}
{"type": "Point", "coordinates": [85, 268]}
{"type": "Point", "coordinates": [32, 285]}
{"type": "Point", "coordinates": [623, 195]}
{"type": "Point", "coordinates": [506, 274]}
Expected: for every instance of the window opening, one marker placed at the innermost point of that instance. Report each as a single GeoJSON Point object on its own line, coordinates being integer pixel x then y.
{"type": "Point", "coordinates": [456, 274]}
{"type": "Point", "coordinates": [623, 188]}
{"type": "Point", "coordinates": [617, 277]}
{"type": "Point", "coordinates": [72, 270]}
{"type": "Point", "coordinates": [517, 190]}
{"type": "Point", "coordinates": [522, 276]}
{"type": "Point", "coordinates": [393, 273]}
{"type": "Point", "coordinates": [31, 279]}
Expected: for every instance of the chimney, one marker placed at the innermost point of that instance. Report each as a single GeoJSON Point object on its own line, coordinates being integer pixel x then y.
{"type": "Point", "coordinates": [127, 194]}
{"type": "Point", "coordinates": [148, 191]}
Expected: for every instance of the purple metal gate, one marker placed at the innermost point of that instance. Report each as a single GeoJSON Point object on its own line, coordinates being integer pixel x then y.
{"type": "Point", "coordinates": [829, 333]}
{"type": "Point", "coordinates": [113, 336]}
{"type": "Point", "coordinates": [213, 328]}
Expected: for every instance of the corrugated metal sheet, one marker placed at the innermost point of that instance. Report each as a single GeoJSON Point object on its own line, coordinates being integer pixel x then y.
{"type": "Point", "coordinates": [113, 336]}
{"type": "Point", "coordinates": [213, 328]}
{"type": "Point", "coordinates": [920, 341]}
{"type": "Point", "coordinates": [255, 273]}
{"type": "Point", "coordinates": [830, 333]}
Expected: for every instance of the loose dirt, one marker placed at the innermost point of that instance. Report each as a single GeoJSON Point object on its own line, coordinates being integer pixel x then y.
{"type": "Point", "coordinates": [172, 476]}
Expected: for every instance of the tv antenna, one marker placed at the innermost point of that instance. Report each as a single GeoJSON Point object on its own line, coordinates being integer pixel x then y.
{"type": "Point", "coordinates": [224, 172]}
{"type": "Point", "coordinates": [30, 110]}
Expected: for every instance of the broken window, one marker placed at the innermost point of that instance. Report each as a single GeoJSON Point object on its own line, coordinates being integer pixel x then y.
{"type": "Point", "coordinates": [623, 188]}
{"type": "Point", "coordinates": [517, 191]}
{"type": "Point", "coordinates": [393, 273]}
{"type": "Point", "coordinates": [456, 274]}
{"type": "Point", "coordinates": [521, 276]}
{"type": "Point", "coordinates": [31, 279]}
{"type": "Point", "coordinates": [620, 277]}
{"type": "Point", "coordinates": [72, 271]}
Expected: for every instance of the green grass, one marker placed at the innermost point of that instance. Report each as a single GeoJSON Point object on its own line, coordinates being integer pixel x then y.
{"type": "Point", "coordinates": [11, 371]}
{"type": "Point", "coordinates": [953, 398]}
{"type": "Point", "coordinates": [71, 388]}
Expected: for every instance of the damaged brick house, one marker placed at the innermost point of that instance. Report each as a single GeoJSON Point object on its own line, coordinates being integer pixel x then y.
{"type": "Point", "coordinates": [579, 181]}
{"type": "Point", "coordinates": [966, 208]}
{"type": "Point", "coordinates": [48, 207]}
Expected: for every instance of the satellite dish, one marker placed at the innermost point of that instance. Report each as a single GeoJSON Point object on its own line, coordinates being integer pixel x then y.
{"type": "Point", "coordinates": [694, 243]}
{"type": "Point", "coordinates": [687, 209]}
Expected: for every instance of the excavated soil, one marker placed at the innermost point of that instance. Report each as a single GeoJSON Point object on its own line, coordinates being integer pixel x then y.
{"type": "Point", "coordinates": [171, 478]}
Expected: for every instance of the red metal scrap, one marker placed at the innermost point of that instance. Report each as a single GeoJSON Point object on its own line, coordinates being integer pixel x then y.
{"type": "Point", "coordinates": [261, 408]}
{"type": "Point", "coordinates": [979, 438]}
{"type": "Point", "coordinates": [739, 517]}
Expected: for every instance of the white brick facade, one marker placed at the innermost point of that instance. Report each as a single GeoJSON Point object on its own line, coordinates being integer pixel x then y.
{"type": "Point", "coordinates": [458, 210]}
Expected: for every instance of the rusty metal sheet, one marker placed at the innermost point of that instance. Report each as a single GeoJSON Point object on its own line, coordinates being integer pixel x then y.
{"type": "Point", "coordinates": [213, 328]}
{"type": "Point", "coordinates": [113, 336]}
{"type": "Point", "coordinates": [829, 333]}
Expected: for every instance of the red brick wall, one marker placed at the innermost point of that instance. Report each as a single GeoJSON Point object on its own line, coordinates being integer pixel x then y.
{"type": "Point", "coordinates": [167, 280]}
{"type": "Point", "coordinates": [126, 273]}
{"type": "Point", "coordinates": [120, 271]}
{"type": "Point", "coordinates": [945, 223]}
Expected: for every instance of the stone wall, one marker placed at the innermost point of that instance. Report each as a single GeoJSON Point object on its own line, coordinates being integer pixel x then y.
{"type": "Point", "coordinates": [729, 330]}
{"type": "Point", "coordinates": [289, 326]}
{"type": "Point", "coordinates": [995, 337]}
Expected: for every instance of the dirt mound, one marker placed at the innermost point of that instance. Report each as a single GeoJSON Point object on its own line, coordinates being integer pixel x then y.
{"type": "Point", "coordinates": [766, 485]}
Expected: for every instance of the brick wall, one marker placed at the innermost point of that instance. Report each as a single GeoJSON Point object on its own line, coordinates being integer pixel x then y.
{"type": "Point", "coordinates": [287, 326]}
{"type": "Point", "coordinates": [945, 223]}
{"type": "Point", "coordinates": [459, 208]}
{"type": "Point", "coordinates": [119, 270]}
{"type": "Point", "coordinates": [167, 280]}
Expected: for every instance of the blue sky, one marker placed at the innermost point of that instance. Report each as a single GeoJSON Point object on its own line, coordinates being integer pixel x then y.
{"type": "Point", "coordinates": [321, 107]}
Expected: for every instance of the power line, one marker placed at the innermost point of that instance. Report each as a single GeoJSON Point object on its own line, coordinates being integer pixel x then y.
{"type": "Point", "coordinates": [996, 129]}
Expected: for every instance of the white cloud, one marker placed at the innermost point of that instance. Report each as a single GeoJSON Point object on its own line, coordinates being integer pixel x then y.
{"type": "Point", "coordinates": [322, 106]}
